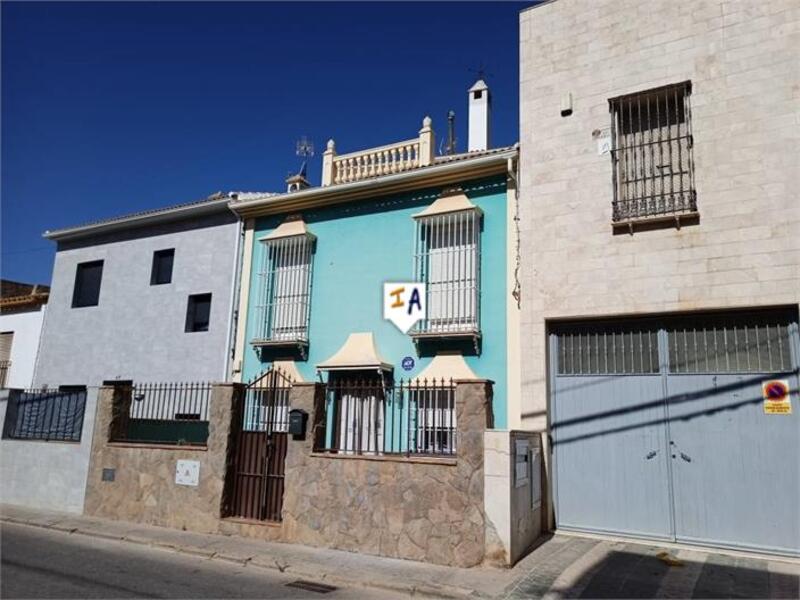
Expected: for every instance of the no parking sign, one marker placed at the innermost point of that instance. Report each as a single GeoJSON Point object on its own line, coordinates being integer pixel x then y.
{"type": "Point", "coordinates": [777, 400]}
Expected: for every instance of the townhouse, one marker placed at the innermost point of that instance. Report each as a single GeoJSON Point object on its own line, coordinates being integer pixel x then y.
{"type": "Point", "coordinates": [661, 275]}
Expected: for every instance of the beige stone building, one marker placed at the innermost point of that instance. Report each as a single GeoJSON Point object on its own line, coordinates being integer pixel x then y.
{"type": "Point", "coordinates": [660, 156]}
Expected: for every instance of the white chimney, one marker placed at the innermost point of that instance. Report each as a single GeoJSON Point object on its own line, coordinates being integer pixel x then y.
{"type": "Point", "coordinates": [480, 108]}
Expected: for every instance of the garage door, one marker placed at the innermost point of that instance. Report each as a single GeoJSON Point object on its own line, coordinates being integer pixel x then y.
{"type": "Point", "coordinates": [660, 429]}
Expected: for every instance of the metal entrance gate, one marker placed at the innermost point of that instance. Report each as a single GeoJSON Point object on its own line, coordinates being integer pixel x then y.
{"type": "Point", "coordinates": [659, 429]}
{"type": "Point", "coordinates": [256, 474]}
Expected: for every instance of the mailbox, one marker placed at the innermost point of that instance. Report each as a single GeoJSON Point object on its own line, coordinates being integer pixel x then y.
{"type": "Point", "coordinates": [297, 422]}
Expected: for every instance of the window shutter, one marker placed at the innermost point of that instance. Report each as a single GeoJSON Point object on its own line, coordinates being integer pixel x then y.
{"type": "Point", "coordinates": [6, 339]}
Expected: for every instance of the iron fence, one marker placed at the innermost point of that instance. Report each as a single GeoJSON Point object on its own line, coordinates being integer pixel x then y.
{"type": "Point", "coordinates": [45, 414]}
{"type": "Point", "coordinates": [5, 367]}
{"type": "Point", "coordinates": [162, 413]}
{"type": "Point", "coordinates": [370, 417]}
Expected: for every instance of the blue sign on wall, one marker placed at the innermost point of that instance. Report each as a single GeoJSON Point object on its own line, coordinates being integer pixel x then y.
{"type": "Point", "coordinates": [408, 363]}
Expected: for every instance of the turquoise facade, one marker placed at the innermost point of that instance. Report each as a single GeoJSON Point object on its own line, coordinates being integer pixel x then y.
{"type": "Point", "coordinates": [362, 244]}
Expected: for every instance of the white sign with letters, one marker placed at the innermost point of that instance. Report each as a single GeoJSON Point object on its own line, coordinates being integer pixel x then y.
{"type": "Point", "coordinates": [404, 304]}
{"type": "Point", "coordinates": [187, 472]}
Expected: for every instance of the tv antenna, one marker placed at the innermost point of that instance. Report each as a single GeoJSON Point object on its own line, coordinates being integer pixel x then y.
{"type": "Point", "coordinates": [481, 71]}
{"type": "Point", "coordinates": [304, 148]}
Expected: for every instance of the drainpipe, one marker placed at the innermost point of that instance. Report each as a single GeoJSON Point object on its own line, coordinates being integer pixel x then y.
{"type": "Point", "coordinates": [233, 315]}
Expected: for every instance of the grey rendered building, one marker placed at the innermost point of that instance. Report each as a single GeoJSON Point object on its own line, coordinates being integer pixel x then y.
{"type": "Point", "coordinates": [660, 234]}
{"type": "Point", "coordinates": [145, 297]}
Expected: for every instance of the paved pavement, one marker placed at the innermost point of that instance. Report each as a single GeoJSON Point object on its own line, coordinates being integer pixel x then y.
{"type": "Point", "coordinates": [44, 563]}
{"type": "Point", "coordinates": [581, 567]}
{"type": "Point", "coordinates": [562, 567]}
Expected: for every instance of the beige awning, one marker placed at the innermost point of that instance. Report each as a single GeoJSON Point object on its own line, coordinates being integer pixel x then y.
{"type": "Point", "coordinates": [445, 367]}
{"type": "Point", "coordinates": [358, 352]}
{"type": "Point", "coordinates": [449, 201]}
{"type": "Point", "coordinates": [288, 368]}
{"type": "Point", "coordinates": [292, 226]}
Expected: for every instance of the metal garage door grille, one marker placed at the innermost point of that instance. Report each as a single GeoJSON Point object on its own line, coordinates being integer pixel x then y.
{"type": "Point", "coordinates": [755, 342]}
{"type": "Point", "coordinates": [747, 344]}
{"type": "Point", "coordinates": [608, 350]}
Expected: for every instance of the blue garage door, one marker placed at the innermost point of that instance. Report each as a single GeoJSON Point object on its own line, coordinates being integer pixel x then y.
{"type": "Point", "coordinates": [660, 429]}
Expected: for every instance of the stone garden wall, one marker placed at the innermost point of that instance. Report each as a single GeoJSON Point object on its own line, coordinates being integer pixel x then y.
{"type": "Point", "coordinates": [421, 509]}
{"type": "Point", "coordinates": [427, 509]}
{"type": "Point", "coordinates": [143, 488]}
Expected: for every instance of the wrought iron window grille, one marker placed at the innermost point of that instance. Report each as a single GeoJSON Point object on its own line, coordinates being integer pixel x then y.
{"type": "Point", "coordinates": [283, 306]}
{"type": "Point", "coordinates": [653, 167]}
{"type": "Point", "coordinates": [447, 260]}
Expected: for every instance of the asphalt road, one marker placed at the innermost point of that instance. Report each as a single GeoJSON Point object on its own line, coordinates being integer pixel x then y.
{"type": "Point", "coordinates": [41, 563]}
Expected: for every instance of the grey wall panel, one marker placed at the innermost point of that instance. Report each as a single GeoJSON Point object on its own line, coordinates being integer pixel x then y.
{"type": "Point", "coordinates": [137, 329]}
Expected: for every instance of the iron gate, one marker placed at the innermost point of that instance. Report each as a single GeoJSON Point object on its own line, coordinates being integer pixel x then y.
{"type": "Point", "coordinates": [256, 473]}
{"type": "Point", "coordinates": [660, 430]}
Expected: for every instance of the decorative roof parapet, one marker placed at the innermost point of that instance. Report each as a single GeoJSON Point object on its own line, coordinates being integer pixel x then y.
{"type": "Point", "coordinates": [383, 160]}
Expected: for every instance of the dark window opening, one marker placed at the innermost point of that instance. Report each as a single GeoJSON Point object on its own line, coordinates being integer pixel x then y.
{"type": "Point", "coordinates": [162, 267]}
{"type": "Point", "coordinates": [87, 284]}
{"type": "Point", "coordinates": [198, 312]}
{"type": "Point", "coordinates": [478, 94]}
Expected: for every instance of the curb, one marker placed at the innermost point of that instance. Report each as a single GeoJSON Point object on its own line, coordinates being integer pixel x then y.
{"type": "Point", "coordinates": [424, 590]}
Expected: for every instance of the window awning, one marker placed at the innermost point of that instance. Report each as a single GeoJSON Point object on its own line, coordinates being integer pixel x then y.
{"type": "Point", "coordinates": [449, 201]}
{"type": "Point", "coordinates": [289, 369]}
{"type": "Point", "coordinates": [445, 367]}
{"type": "Point", "coordinates": [357, 353]}
{"type": "Point", "coordinates": [291, 227]}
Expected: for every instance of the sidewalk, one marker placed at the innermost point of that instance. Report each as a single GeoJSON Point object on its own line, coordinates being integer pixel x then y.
{"type": "Point", "coordinates": [563, 566]}
{"type": "Point", "coordinates": [314, 564]}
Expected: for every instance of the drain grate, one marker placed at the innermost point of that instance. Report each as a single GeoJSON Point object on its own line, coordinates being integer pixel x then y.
{"type": "Point", "coordinates": [312, 586]}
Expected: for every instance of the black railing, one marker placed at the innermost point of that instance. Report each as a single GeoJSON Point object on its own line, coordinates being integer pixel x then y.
{"type": "Point", "coordinates": [5, 367]}
{"type": "Point", "coordinates": [162, 413]}
{"type": "Point", "coordinates": [49, 415]}
{"type": "Point", "coordinates": [370, 417]}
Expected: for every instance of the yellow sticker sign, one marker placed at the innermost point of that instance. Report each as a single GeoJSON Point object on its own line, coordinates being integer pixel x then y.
{"type": "Point", "coordinates": [777, 400]}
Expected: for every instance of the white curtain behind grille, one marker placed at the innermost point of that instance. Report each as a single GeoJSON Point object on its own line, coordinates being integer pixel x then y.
{"type": "Point", "coordinates": [452, 274]}
{"type": "Point", "coordinates": [360, 423]}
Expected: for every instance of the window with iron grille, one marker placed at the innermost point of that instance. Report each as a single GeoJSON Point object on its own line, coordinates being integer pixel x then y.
{"type": "Point", "coordinates": [284, 302]}
{"type": "Point", "coordinates": [652, 154]}
{"type": "Point", "coordinates": [435, 419]}
{"type": "Point", "coordinates": [447, 261]}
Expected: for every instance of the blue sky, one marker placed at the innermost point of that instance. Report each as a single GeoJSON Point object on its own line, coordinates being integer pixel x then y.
{"type": "Point", "coordinates": [110, 108]}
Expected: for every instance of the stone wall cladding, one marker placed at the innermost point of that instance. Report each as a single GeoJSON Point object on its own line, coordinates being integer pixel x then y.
{"type": "Point", "coordinates": [741, 58]}
{"type": "Point", "coordinates": [397, 508]}
{"type": "Point", "coordinates": [144, 488]}
{"type": "Point", "coordinates": [424, 509]}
